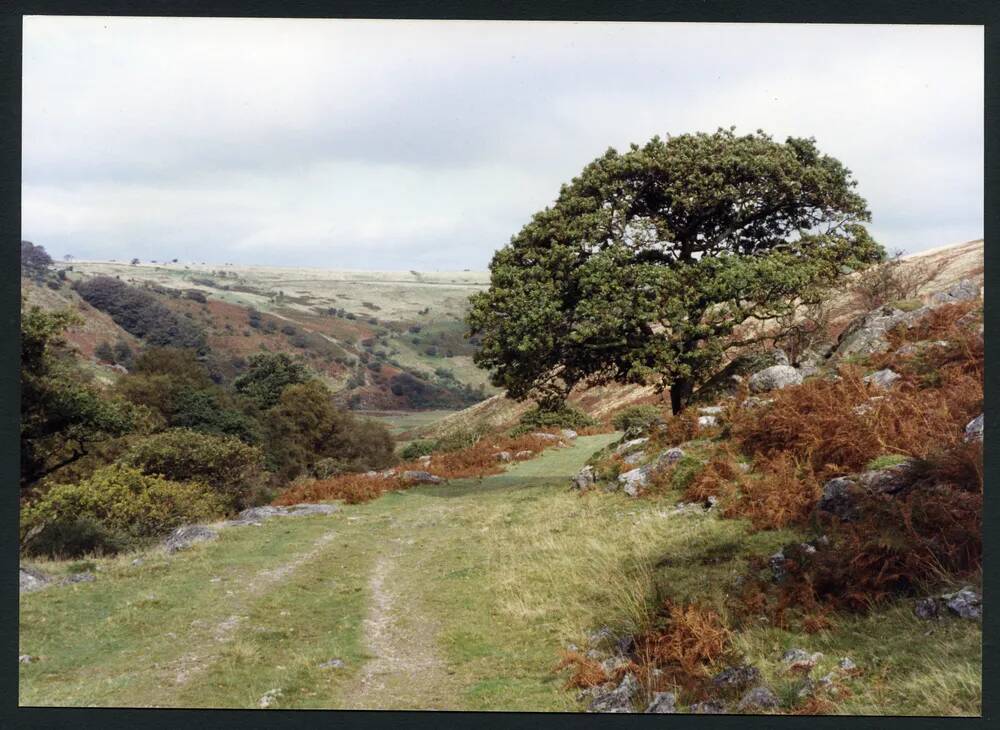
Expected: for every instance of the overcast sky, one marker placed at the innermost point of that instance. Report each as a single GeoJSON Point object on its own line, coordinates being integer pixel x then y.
{"type": "Point", "coordinates": [427, 144]}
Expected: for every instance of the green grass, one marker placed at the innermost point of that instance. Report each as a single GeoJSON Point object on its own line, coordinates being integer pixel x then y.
{"type": "Point", "coordinates": [493, 576]}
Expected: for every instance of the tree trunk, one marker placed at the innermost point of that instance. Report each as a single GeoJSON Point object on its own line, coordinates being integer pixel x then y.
{"type": "Point", "coordinates": [680, 391]}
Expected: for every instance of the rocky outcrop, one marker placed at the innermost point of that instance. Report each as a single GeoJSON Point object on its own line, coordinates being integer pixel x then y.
{"type": "Point", "coordinates": [883, 379]}
{"type": "Point", "coordinates": [974, 429]}
{"type": "Point", "coordinates": [963, 291]}
{"type": "Point", "coordinates": [841, 496]}
{"type": "Point", "coordinates": [775, 377]}
{"type": "Point", "coordinates": [30, 579]}
{"type": "Point", "coordinates": [965, 603]}
{"type": "Point", "coordinates": [633, 481]}
{"type": "Point", "coordinates": [186, 536]}
{"type": "Point", "coordinates": [619, 699]}
{"type": "Point", "coordinates": [420, 477]}
{"type": "Point", "coordinates": [585, 478]}
{"type": "Point", "coordinates": [663, 703]}
{"type": "Point", "coordinates": [630, 444]}
{"type": "Point", "coordinates": [758, 698]}
{"type": "Point", "coordinates": [738, 678]}
{"type": "Point", "coordinates": [568, 433]}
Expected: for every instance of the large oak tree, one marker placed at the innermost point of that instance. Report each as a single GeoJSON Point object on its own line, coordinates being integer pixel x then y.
{"type": "Point", "coordinates": [650, 259]}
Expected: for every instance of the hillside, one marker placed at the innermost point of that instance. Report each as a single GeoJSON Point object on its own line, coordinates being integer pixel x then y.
{"type": "Point", "coordinates": [384, 341]}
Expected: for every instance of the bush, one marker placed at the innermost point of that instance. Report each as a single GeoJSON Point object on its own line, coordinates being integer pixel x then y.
{"type": "Point", "coordinates": [636, 418]}
{"type": "Point", "coordinates": [563, 417]}
{"type": "Point", "coordinates": [416, 449]}
{"type": "Point", "coordinates": [231, 468]}
{"type": "Point", "coordinates": [117, 507]}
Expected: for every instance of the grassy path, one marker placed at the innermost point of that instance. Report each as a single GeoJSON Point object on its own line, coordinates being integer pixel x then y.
{"type": "Point", "coordinates": [459, 596]}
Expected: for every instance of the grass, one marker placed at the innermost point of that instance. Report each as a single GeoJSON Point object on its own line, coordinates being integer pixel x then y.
{"type": "Point", "coordinates": [502, 572]}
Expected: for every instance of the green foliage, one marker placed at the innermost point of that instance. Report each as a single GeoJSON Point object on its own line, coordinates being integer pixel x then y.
{"type": "Point", "coordinates": [62, 415]}
{"type": "Point", "coordinates": [885, 461]}
{"type": "Point", "coordinates": [304, 427]}
{"type": "Point", "coordinates": [267, 375]}
{"type": "Point", "coordinates": [232, 469]}
{"type": "Point", "coordinates": [117, 506]}
{"type": "Point", "coordinates": [561, 417]}
{"type": "Point", "coordinates": [636, 418]}
{"type": "Point", "coordinates": [650, 259]}
{"type": "Point", "coordinates": [416, 449]}
{"type": "Point", "coordinates": [105, 352]}
{"type": "Point", "coordinates": [140, 313]}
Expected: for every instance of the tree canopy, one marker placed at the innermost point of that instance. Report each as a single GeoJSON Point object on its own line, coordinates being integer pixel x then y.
{"type": "Point", "coordinates": [650, 259]}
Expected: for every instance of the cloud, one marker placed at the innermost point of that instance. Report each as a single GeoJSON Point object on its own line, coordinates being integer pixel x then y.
{"type": "Point", "coordinates": [410, 144]}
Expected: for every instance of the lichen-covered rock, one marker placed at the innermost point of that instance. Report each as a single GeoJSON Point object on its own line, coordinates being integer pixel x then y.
{"type": "Point", "coordinates": [543, 436]}
{"type": "Point", "coordinates": [965, 603]}
{"type": "Point", "coordinates": [524, 454]}
{"type": "Point", "coordinates": [30, 579]}
{"type": "Point", "coordinates": [707, 421]}
{"type": "Point", "coordinates": [926, 608]}
{"type": "Point", "coordinates": [663, 703]}
{"type": "Point", "coordinates": [795, 655]}
{"type": "Point", "coordinates": [186, 536]}
{"type": "Point", "coordinates": [839, 499]}
{"type": "Point", "coordinates": [890, 480]}
{"type": "Point", "coordinates": [568, 433]}
{"type": "Point", "coordinates": [962, 291]}
{"type": "Point", "coordinates": [670, 456]}
{"type": "Point", "coordinates": [737, 678]}
{"type": "Point", "coordinates": [503, 456]}
{"type": "Point", "coordinates": [632, 443]}
{"type": "Point", "coordinates": [585, 478]}
{"type": "Point", "coordinates": [420, 477]}
{"type": "Point", "coordinates": [974, 429]}
{"type": "Point", "coordinates": [868, 335]}
{"type": "Point", "coordinates": [618, 699]}
{"type": "Point", "coordinates": [883, 379]}
{"type": "Point", "coordinates": [846, 664]}
{"type": "Point", "coordinates": [634, 458]}
{"type": "Point", "coordinates": [775, 377]}
{"type": "Point", "coordinates": [758, 698]}
{"type": "Point", "coordinates": [633, 481]}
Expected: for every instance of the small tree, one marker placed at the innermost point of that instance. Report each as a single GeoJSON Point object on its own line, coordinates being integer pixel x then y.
{"type": "Point", "coordinates": [267, 375]}
{"type": "Point", "coordinates": [650, 259]}
{"type": "Point", "coordinates": [35, 262]}
{"type": "Point", "coordinates": [134, 262]}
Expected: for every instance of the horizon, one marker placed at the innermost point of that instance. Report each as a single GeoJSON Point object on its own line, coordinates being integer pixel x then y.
{"type": "Point", "coordinates": [426, 145]}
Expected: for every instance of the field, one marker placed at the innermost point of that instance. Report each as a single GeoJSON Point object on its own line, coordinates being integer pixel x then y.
{"type": "Point", "coordinates": [460, 596]}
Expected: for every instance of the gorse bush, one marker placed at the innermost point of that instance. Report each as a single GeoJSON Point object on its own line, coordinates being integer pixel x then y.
{"type": "Point", "coordinates": [119, 505]}
{"type": "Point", "coordinates": [636, 418]}
{"type": "Point", "coordinates": [562, 417]}
{"type": "Point", "coordinates": [233, 470]}
{"type": "Point", "coordinates": [416, 449]}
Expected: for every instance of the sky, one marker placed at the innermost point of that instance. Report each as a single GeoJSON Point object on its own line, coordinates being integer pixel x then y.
{"type": "Point", "coordinates": [398, 145]}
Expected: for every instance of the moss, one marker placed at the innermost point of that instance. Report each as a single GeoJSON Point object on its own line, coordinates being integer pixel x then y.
{"type": "Point", "coordinates": [885, 461]}
{"type": "Point", "coordinates": [908, 305]}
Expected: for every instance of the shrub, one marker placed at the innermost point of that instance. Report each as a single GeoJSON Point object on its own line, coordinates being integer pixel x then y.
{"type": "Point", "coordinates": [636, 418]}
{"type": "Point", "coordinates": [890, 281]}
{"type": "Point", "coordinates": [563, 417]}
{"type": "Point", "coordinates": [416, 449]}
{"type": "Point", "coordinates": [118, 506]}
{"type": "Point", "coordinates": [231, 468]}
{"type": "Point", "coordinates": [105, 352]}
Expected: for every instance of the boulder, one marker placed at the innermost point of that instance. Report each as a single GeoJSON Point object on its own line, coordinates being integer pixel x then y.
{"type": "Point", "coordinates": [965, 603]}
{"type": "Point", "coordinates": [962, 291]}
{"type": "Point", "coordinates": [670, 456]}
{"type": "Point", "coordinates": [883, 379]}
{"type": "Point", "coordinates": [974, 429]}
{"type": "Point", "coordinates": [758, 698]}
{"type": "Point", "coordinates": [890, 480]}
{"type": "Point", "coordinates": [543, 436]}
{"type": "Point", "coordinates": [707, 421]}
{"type": "Point", "coordinates": [525, 454]}
{"type": "Point", "coordinates": [709, 707]}
{"type": "Point", "coordinates": [424, 460]}
{"type": "Point", "coordinates": [926, 608]}
{"type": "Point", "coordinates": [737, 678]}
{"type": "Point", "coordinates": [186, 536]}
{"type": "Point", "coordinates": [618, 699]}
{"type": "Point", "coordinates": [503, 456]}
{"type": "Point", "coordinates": [420, 477]}
{"type": "Point", "coordinates": [30, 580]}
{"type": "Point", "coordinates": [568, 433]}
{"type": "Point", "coordinates": [634, 458]}
{"type": "Point", "coordinates": [846, 664]}
{"type": "Point", "coordinates": [25, 659]}
{"type": "Point", "coordinates": [269, 698]}
{"type": "Point", "coordinates": [795, 655]}
{"type": "Point", "coordinates": [775, 377]}
{"type": "Point", "coordinates": [633, 481]}
{"type": "Point", "coordinates": [585, 478]}
{"type": "Point", "coordinates": [625, 446]}
{"type": "Point", "coordinates": [868, 335]}
{"type": "Point", "coordinates": [663, 703]}
{"type": "Point", "coordinates": [839, 499]}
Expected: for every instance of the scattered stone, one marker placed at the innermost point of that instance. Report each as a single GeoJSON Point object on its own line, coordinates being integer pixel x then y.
{"type": "Point", "coordinates": [634, 458]}
{"type": "Point", "coordinates": [963, 291]}
{"type": "Point", "coordinates": [759, 698]}
{"type": "Point", "coordinates": [186, 536]}
{"type": "Point", "coordinates": [839, 499]}
{"type": "Point", "coordinates": [868, 335]}
{"type": "Point", "coordinates": [825, 681]}
{"type": "Point", "coordinates": [883, 379]}
{"type": "Point", "coordinates": [755, 402]}
{"type": "Point", "coordinates": [256, 515]}
{"type": "Point", "coordinates": [618, 699]}
{"type": "Point", "coordinates": [332, 664]}
{"type": "Point", "coordinates": [625, 446]}
{"type": "Point", "coordinates": [775, 377]}
{"type": "Point", "coordinates": [777, 564]}
{"type": "Point", "coordinates": [585, 478]}
{"type": "Point", "coordinates": [711, 410]}
{"type": "Point", "coordinates": [670, 456]}
{"type": "Point", "coordinates": [542, 435]}
{"type": "Point", "coordinates": [965, 603]}
{"type": "Point", "coordinates": [525, 454]}
{"type": "Point", "coordinates": [707, 421]}
{"type": "Point", "coordinates": [30, 580]}
{"type": "Point", "coordinates": [503, 456]}
{"type": "Point", "coordinates": [633, 481]}
{"type": "Point", "coordinates": [84, 577]}
{"type": "Point", "coordinates": [926, 608]}
{"type": "Point", "coordinates": [663, 703]}
{"type": "Point", "coordinates": [425, 460]}
{"type": "Point", "coordinates": [269, 698]}
{"type": "Point", "coordinates": [868, 405]}
{"type": "Point", "coordinates": [421, 477]}
{"type": "Point", "coordinates": [795, 655]}
{"type": "Point", "coordinates": [138, 561]}
{"type": "Point", "coordinates": [847, 664]}
{"type": "Point", "coordinates": [915, 348]}
{"type": "Point", "coordinates": [710, 707]}
{"type": "Point", "coordinates": [568, 433]}
{"type": "Point", "coordinates": [26, 659]}
{"type": "Point", "coordinates": [974, 429]}
{"type": "Point", "coordinates": [604, 638]}
{"type": "Point", "coordinates": [890, 480]}
{"type": "Point", "coordinates": [613, 663]}
{"type": "Point", "coordinates": [737, 678]}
